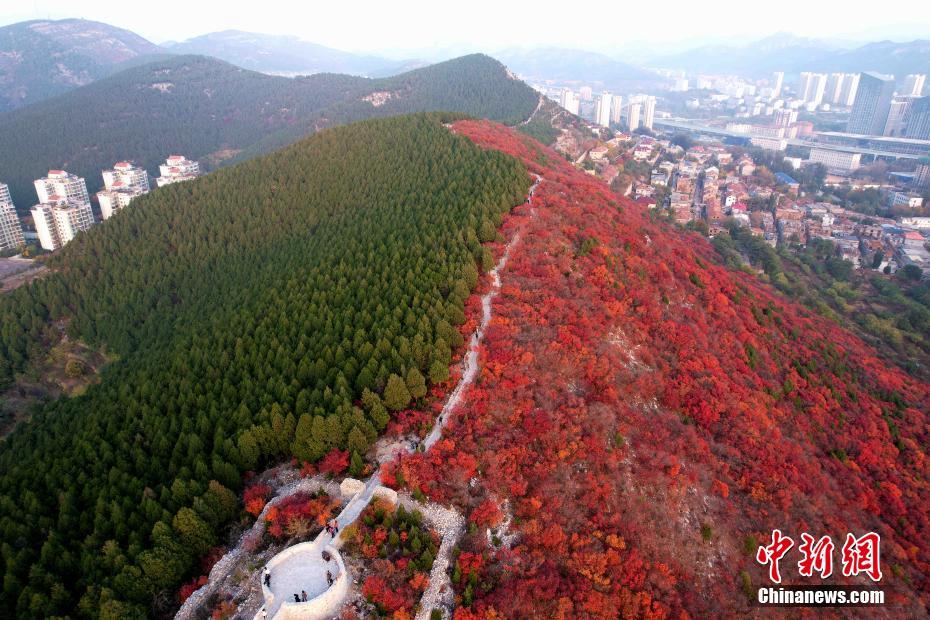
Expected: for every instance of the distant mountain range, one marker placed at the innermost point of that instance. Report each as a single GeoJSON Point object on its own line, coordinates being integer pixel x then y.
{"type": "Point", "coordinates": [44, 58]}
{"type": "Point", "coordinates": [567, 66]}
{"type": "Point", "coordinates": [785, 52]}
{"type": "Point", "coordinates": [286, 55]}
{"type": "Point", "coordinates": [210, 110]}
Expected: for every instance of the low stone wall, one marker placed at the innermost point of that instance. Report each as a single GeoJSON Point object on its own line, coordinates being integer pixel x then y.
{"type": "Point", "coordinates": [224, 568]}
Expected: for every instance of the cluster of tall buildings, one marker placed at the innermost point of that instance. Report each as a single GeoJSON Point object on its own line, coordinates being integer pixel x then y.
{"type": "Point", "coordinates": [816, 89]}
{"type": "Point", "coordinates": [64, 207]}
{"type": "Point", "coordinates": [609, 109]}
{"type": "Point", "coordinates": [878, 107]}
{"type": "Point", "coordinates": [879, 111]}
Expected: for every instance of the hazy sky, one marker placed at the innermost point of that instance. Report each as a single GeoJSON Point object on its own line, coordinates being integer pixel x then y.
{"type": "Point", "coordinates": [369, 25]}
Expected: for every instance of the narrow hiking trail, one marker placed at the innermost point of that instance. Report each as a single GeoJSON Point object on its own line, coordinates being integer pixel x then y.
{"type": "Point", "coordinates": [539, 105]}
{"type": "Point", "coordinates": [436, 593]}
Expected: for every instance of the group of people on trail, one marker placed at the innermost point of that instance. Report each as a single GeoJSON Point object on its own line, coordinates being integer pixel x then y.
{"type": "Point", "coordinates": [302, 598]}
{"type": "Point", "coordinates": [332, 528]}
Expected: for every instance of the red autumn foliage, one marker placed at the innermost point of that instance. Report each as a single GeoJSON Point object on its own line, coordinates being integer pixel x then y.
{"type": "Point", "coordinates": [335, 462]}
{"type": "Point", "coordinates": [635, 389]}
{"type": "Point", "coordinates": [377, 590]}
{"type": "Point", "coordinates": [255, 497]}
{"type": "Point", "coordinates": [397, 550]}
{"type": "Point", "coordinates": [487, 514]}
{"type": "Point", "coordinates": [416, 421]}
{"type": "Point", "coordinates": [299, 514]}
{"type": "Point", "coordinates": [190, 587]}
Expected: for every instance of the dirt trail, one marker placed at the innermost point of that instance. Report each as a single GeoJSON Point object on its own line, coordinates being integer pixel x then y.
{"type": "Point", "coordinates": [436, 593]}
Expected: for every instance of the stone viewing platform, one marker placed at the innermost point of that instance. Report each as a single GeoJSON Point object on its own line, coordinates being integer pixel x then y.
{"type": "Point", "coordinates": [302, 568]}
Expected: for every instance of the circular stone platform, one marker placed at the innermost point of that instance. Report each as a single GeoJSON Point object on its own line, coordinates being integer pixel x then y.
{"type": "Point", "coordinates": [302, 567]}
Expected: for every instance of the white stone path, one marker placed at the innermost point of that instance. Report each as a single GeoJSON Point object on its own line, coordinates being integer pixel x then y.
{"type": "Point", "coordinates": [436, 593]}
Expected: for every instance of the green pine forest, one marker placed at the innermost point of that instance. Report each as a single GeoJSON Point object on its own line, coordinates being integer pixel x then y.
{"type": "Point", "coordinates": [218, 113]}
{"type": "Point", "coordinates": [277, 308]}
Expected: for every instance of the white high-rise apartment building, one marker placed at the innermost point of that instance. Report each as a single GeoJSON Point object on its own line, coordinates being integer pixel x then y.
{"type": "Point", "coordinates": [59, 223]}
{"type": "Point", "coordinates": [898, 116]}
{"type": "Point", "coordinates": [177, 168]}
{"type": "Point", "coordinates": [602, 109]}
{"type": "Point", "coordinates": [63, 210]}
{"type": "Point", "coordinates": [778, 80]}
{"type": "Point", "coordinates": [59, 186]}
{"type": "Point", "coordinates": [834, 90]}
{"type": "Point", "coordinates": [569, 101]}
{"type": "Point", "coordinates": [616, 109]}
{"type": "Point", "coordinates": [11, 231]}
{"type": "Point", "coordinates": [804, 85]}
{"type": "Point", "coordinates": [633, 115]}
{"type": "Point", "coordinates": [640, 112]}
{"type": "Point", "coordinates": [123, 183]}
{"type": "Point", "coordinates": [812, 87]}
{"type": "Point", "coordinates": [649, 112]}
{"type": "Point", "coordinates": [914, 84]}
{"type": "Point", "coordinates": [849, 90]}
{"type": "Point", "coordinates": [126, 176]}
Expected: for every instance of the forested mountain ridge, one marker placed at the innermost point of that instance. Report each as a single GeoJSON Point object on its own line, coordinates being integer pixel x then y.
{"type": "Point", "coordinates": [43, 58]}
{"type": "Point", "coordinates": [207, 109]}
{"type": "Point", "coordinates": [282, 54]}
{"type": "Point", "coordinates": [645, 416]}
{"type": "Point", "coordinates": [252, 309]}
{"type": "Point", "coordinates": [476, 85]}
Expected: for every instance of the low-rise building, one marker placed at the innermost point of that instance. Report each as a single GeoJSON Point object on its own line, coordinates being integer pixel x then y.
{"type": "Point", "coordinates": [922, 223]}
{"type": "Point", "coordinates": [769, 144]}
{"type": "Point", "coordinates": [913, 239]}
{"type": "Point", "coordinates": [848, 249]}
{"type": "Point", "coordinates": [659, 177]}
{"type": "Point", "coordinates": [784, 179]}
{"type": "Point", "coordinates": [794, 162]}
{"type": "Point", "coordinates": [598, 153]}
{"type": "Point", "coordinates": [835, 160]}
{"type": "Point", "coordinates": [905, 199]}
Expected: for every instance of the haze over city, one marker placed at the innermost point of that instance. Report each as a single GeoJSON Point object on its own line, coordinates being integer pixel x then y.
{"type": "Point", "coordinates": [422, 27]}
